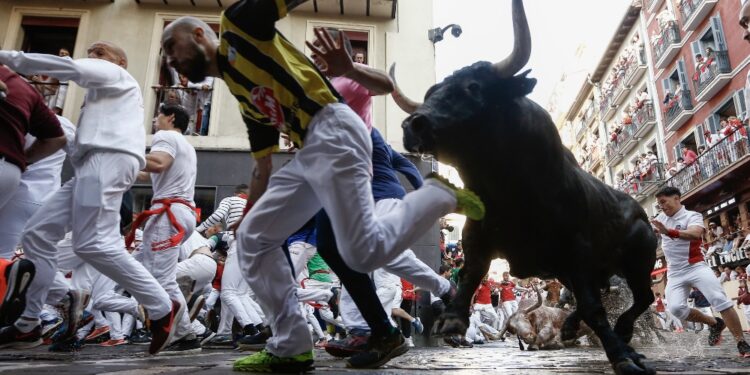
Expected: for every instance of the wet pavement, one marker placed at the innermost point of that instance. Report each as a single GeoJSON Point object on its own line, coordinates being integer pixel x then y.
{"type": "Point", "coordinates": [684, 353]}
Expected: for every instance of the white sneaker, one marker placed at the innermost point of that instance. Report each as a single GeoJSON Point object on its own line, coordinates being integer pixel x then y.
{"type": "Point", "coordinates": [409, 342]}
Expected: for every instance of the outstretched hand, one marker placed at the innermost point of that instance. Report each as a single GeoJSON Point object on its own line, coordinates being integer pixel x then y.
{"type": "Point", "coordinates": [659, 226]}
{"type": "Point", "coordinates": [332, 52]}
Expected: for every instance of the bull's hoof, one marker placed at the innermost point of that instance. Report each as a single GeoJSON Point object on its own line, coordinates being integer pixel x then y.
{"type": "Point", "coordinates": [629, 367]}
{"type": "Point", "coordinates": [568, 333]}
{"type": "Point", "coordinates": [452, 324]}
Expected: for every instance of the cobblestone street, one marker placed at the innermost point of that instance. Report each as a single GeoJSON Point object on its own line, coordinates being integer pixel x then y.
{"type": "Point", "coordinates": [684, 353]}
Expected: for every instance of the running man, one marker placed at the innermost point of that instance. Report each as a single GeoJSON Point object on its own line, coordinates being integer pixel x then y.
{"type": "Point", "coordinates": [681, 236]}
{"type": "Point", "coordinates": [281, 91]}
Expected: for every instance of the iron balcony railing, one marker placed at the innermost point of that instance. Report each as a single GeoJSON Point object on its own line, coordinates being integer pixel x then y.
{"type": "Point", "coordinates": [643, 179]}
{"type": "Point", "coordinates": [613, 149]}
{"type": "Point", "coordinates": [644, 115]}
{"type": "Point", "coordinates": [588, 115]}
{"type": "Point", "coordinates": [195, 101]}
{"type": "Point", "coordinates": [706, 74]}
{"type": "Point", "coordinates": [670, 35]}
{"type": "Point", "coordinates": [725, 153]}
{"type": "Point", "coordinates": [636, 61]}
{"type": "Point", "coordinates": [676, 104]}
{"type": "Point", "coordinates": [581, 129]}
{"type": "Point", "coordinates": [604, 105]}
{"type": "Point", "coordinates": [688, 7]}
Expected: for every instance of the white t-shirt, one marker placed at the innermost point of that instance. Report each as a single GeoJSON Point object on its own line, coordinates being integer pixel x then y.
{"type": "Point", "coordinates": [680, 254]}
{"type": "Point", "coordinates": [178, 181]}
{"type": "Point", "coordinates": [42, 178]}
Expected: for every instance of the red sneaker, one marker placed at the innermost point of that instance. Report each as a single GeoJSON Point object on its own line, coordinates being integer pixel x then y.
{"type": "Point", "coordinates": [162, 330]}
{"type": "Point", "coordinates": [97, 334]}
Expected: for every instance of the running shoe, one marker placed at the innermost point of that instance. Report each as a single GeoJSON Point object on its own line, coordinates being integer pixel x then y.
{"type": "Point", "coordinates": [409, 342]}
{"type": "Point", "coordinates": [184, 345]}
{"type": "Point", "coordinates": [453, 340]}
{"type": "Point", "coordinates": [50, 326]}
{"type": "Point", "coordinates": [744, 349]}
{"type": "Point", "coordinates": [206, 336]}
{"type": "Point", "coordinates": [140, 337]}
{"type": "Point", "coordinates": [195, 305]}
{"type": "Point", "coordinates": [98, 335]}
{"type": "Point", "coordinates": [348, 346]}
{"type": "Point", "coordinates": [72, 312]}
{"type": "Point", "coordinates": [467, 203]}
{"type": "Point", "coordinates": [114, 342]}
{"type": "Point", "coordinates": [12, 338]}
{"type": "Point", "coordinates": [15, 278]}
{"type": "Point", "coordinates": [714, 332]}
{"type": "Point", "coordinates": [162, 330]}
{"type": "Point", "coordinates": [218, 342]}
{"type": "Point", "coordinates": [256, 341]}
{"type": "Point", "coordinates": [321, 343]}
{"type": "Point", "coordinates": [72, 344]}
{"type": "Point", "coordinates": [417, 324]}
{"type": "Point", "coordinates": [380, 350]}
{"type": "Point", "coordinates": [264, 361]}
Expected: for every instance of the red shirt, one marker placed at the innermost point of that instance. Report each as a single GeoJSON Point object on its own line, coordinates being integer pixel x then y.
{"type": "Point", "coordinates": [407, 290]}
{"type": "Point", "coordinates": [23, 111]}
{"type": "Point", "coordinates": [484, 293]}
{"type": "Point", "coordinates": [689, 156]}
{"type": "Point", "coordinates": [506, 291]}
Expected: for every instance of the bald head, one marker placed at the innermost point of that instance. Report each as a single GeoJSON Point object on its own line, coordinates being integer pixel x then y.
{"type": "Point", "coordinates": [188, 25]}
{"type": "Point", "coordinates": [189, 45]}
{"type": "Point", "coordinates": [108, 51]}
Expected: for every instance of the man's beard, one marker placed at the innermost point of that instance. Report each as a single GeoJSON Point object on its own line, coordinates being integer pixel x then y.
{"type": "Point", "coordinates": [198, 66]}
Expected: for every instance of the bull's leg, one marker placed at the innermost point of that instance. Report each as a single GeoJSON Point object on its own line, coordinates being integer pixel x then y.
{"type": "Point", "coordinates": [477, 259]}
{"type": "Point", "coordinates": [570, 326]}
{"type": "Point", "coordinates": [640, 247]}
{"type": "Point", "coordinates": [592, 311]}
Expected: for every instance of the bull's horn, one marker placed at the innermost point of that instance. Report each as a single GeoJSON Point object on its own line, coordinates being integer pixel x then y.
{"type": "Point", "coordinates": [538, 302]}
{"type": "Point", "coordinates": [407, 105]}
{"type": "Point", "coordinates": [521, 44]}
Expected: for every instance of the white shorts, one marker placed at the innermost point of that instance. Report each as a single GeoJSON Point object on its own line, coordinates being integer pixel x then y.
{"type": "Point", "coordinates": [700, 276]}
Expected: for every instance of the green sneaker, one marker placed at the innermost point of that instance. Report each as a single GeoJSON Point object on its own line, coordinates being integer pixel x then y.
{"type": "Point", "coordinates": [264, 361]}
{"type": "Point", "coordinates": [467, 203]}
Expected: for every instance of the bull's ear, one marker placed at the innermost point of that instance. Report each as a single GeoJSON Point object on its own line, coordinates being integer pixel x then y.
{"type": "Point", "coordinates": [520, 85]}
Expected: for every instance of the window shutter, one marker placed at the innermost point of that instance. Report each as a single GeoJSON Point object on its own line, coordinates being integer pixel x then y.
{"type": "Point", "coordinates": [713, 123]}
{"type": "Point", "coordinates": [697, 48]}
{"type": "Point", "coordinates": [718, 31]}
{"type": "Point", "coordinates": [739, 104]}
{"type": "Point", "coordinates": [699, 135]}
{"type": "Point", "coordinates": [682, 74]}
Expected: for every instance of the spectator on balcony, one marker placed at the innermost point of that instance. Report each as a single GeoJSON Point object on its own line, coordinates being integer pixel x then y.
{"type": "Point", "coordinates": [188, 99]}
{"type": "Point", "coordinates": [702, 73]}
{"type": "Point", "coordinates": [711, 138]}
{"type": "Point", "coordinates": [689, 156]}
{"type": "Point", "coordinates": [737, 127]}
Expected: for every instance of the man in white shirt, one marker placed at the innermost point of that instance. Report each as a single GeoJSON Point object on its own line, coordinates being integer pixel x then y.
{"type": "Point", "coordinates": [681, 236]}
{"type": "Point", "coordinates": [172, 166]}
{"type": "Point", "coordinates": [38, 182]}
{"type": "Point", "coordinates": [109, 152]}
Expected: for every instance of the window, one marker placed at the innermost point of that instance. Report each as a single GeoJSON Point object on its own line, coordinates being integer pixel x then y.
{"type": "Point", "coordinates": [55, 36]}
{"type": "Point", "coordinates": [195, 97]}
{"type": "Point", "coordinates": [705, 48]}
{"type": "Point", "coordinates": [359, 45]}
{"type": "Point", "coordinates": [688, 142]}
{"type": "Point", "coordinates": [734, 106]}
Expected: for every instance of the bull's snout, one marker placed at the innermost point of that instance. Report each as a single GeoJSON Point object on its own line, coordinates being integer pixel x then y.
{"type": "Point", "coordinates": [415, 127]}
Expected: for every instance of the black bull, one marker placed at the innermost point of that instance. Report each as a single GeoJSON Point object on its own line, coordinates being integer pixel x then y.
{"type": "Point", "coordinates": [545, 215]}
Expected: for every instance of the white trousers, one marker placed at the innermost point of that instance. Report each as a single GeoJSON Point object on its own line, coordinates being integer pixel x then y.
{"type": "Point", "coordinates": [338, 149]}
{"type": "Point", "coordinates": [161, 260]}
{"type": "Point", "coordinates": [700, 276]}
{"type": "Point", "coordinates": [509, 307]}
{"type": "Point", "coordinates": [13, 218]}
{"type": "Point", "coordinates": [488, 314]}
{"type": "Point", "coordinates": [200, 268]}
{"type": "Point", "coordinates": [300, 253]}
{"type": "Point", "coordinates": [90, 203]}
{"type": "Point", "coordinates": [10, 178]}
{"type": "Point", "coordinates": [235, 293]}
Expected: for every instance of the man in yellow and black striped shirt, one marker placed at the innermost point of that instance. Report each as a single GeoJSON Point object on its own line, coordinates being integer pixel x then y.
{"type": "Point", "coordinates": [281, 91]}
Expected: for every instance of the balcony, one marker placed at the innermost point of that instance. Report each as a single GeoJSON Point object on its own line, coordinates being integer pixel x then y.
{"type": "Point", "coordinates": [678, 111]}
{"type": "Point", "coordinates": [721, 157]}
{"type": "Point", "coordinates": [636, 69]}
{"type": "Point", "coordinates": [383, 9]}
{"type": "Point", "coordinates": [627, 138]}
{"type": "Point", "coordinates": [643, 183]}
{"type": "Point", "coordinates": [589, 116]}
{"type": "Point", "coordinates": [612, 153]}
{"type": "Point", "coordinates": [668, 46]}
{"type": "Point", "coordinates": [605, 109]}
{"type": "Point", "coordinates": [580, 130]}
{"type": "Point", "coordinates": [620, 92]}
{"type": "Point", "coordinates": [653, 4]}
{"type": "Point", "coordinates": [693, 12]}
{"type": "Point", "coordinates": [644, 119]}
{"type": "Point", "coordinates": [714, 76]}
{"type": "Point", "coordinates": [196, 102]}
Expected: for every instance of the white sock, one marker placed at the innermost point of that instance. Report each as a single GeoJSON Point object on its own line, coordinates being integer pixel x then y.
{"type": "Point", "coordinates": [26, 325]}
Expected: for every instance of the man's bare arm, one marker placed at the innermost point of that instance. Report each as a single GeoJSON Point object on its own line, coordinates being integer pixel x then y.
{"type": "Point", "coordinates": [41, 148]}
